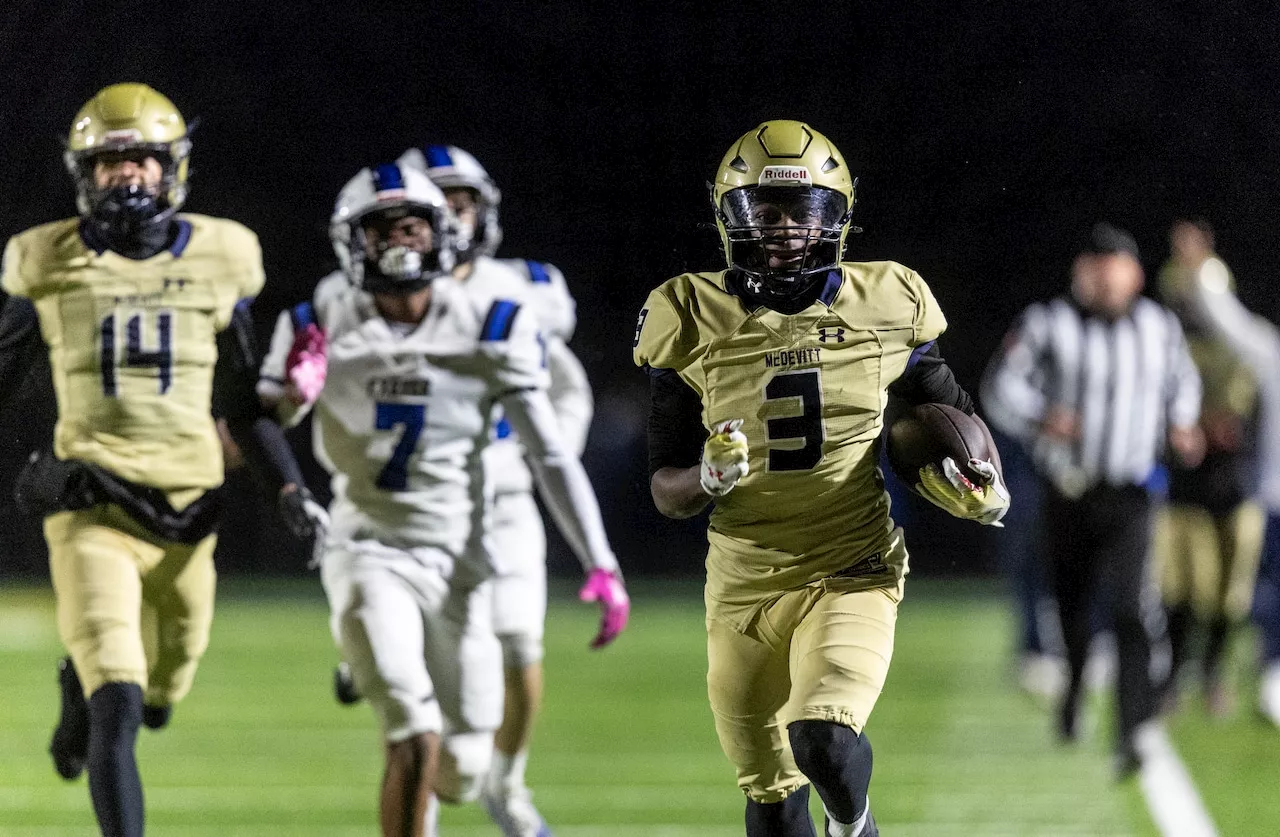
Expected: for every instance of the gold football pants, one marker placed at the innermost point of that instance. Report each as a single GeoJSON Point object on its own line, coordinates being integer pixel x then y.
{"type": "Point", "coordinates": [131, 608]}
{"type": "Point", "coordinates": [818, 653]}
{"type": "Point", "coordinates": [1209, 563]}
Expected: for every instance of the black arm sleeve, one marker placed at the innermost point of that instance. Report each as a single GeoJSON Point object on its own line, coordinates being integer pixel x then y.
{"type": "Point", "coordinates": [235, 399]}
{"type": "Point", "coordinates": [928, 380]}
{"type": "Point", "coordinates": [676, 434]}
{"type": "Point", "coordinates": [20, 343]}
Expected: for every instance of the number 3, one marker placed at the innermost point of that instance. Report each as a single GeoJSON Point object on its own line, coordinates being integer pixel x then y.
{"type": "Point", "coordinates": [805, 385]}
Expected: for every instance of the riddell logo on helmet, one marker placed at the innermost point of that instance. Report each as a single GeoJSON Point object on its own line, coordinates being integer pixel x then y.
{"type": "Point", "coordinates": [785, 175]}
{"type": "Point", "coordinates": [123, 135]}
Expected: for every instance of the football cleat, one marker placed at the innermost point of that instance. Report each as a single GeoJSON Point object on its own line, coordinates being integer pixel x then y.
{"type": "Point", "coordinates": [156, 717]}
{"type": "Point", "coordinates": [1269, 694]}
{"type": "Point", "coordinates": [867, 828]}
{"type": "Point", "coordinates": [514, 814]}
{"type": "Point", "coordinates": [70, 744]}
{"type": "Point", "coordinates": [344, 686]}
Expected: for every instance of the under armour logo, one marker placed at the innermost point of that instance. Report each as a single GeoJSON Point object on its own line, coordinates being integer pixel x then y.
{"type": "Point", "coordinates": [830, 335]}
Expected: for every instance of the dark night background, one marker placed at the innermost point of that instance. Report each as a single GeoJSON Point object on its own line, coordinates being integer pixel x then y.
{"type": "Point", "coordinates": [987, 139]}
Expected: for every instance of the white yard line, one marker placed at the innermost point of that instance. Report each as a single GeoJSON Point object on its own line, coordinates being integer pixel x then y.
{"type": "Point", "coordinates": [1172, 798]}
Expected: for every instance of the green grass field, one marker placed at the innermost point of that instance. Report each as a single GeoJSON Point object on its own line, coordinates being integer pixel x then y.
{"type": "Point", "coordinates": [625, 747]}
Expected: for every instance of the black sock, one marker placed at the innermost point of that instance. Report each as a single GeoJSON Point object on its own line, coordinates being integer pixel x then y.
{"type": "Point", "coordinates": [115, 711]}
{"type": "Point", "coordinates": [1181, 620]}
{"type": "Point", "coordinates": [788, 818]}
{"type": "Point", "coordinates": [837, 761]}
{"type": "Point", "coordinates": [1215, 646]}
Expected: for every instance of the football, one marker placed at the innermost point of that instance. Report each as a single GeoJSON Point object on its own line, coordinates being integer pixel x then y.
{"type": "Point", "coordinates": [930, 433]}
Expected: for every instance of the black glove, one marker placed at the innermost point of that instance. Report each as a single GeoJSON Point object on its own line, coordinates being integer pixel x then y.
{"type": "Point", "coordinates": [305, 519]}
{"type": "Point", "coordinates": [48, 485]}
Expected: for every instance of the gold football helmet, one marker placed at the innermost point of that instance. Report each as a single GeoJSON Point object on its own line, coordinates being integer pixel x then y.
{"type": "Point", "coordinates": [783, 198]}
{"type": "Point", "coordinates": [123, 118]}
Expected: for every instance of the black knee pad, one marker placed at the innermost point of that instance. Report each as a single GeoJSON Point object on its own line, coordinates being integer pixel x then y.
{"type": "Point", "coordinates": [837, 761]}
{"type": "Point", "coordinates": [788, 818]}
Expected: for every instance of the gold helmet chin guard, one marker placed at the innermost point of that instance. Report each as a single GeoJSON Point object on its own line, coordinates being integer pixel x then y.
{"type": "Point", "coordinates": [124, 117]}
{"type": "Point", "coordinates": [787, 159]}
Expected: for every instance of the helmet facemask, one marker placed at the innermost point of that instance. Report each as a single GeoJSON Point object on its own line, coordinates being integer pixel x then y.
{"type": "Point", "coordinates": [475, 238]}
{"type": "Point", "coordinates": [784, 238]}
{"type": "Point", "coordinates": [401, 266]}
{"type": "Point", "coordinates": [127, 213]}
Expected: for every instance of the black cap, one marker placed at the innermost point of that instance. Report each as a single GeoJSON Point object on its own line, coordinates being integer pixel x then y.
{"type": "Point", "coordinates": [1104, 239]}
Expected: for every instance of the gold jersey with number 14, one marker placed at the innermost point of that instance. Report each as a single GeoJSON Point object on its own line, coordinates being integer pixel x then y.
{"type": "Point", "coordinates": [132, 343]}
{"type": "Point", "coordinates": [811, 389]}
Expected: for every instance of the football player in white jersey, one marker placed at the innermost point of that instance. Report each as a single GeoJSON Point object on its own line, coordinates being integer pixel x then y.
{"type": "Point", "coordinates": [411, 371]}
{"type": "Point", "coordinates": [514, 530]}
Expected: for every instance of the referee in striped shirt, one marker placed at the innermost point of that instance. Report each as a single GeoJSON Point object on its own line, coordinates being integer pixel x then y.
{"type": "Point", "coordinates": [1098, 384]}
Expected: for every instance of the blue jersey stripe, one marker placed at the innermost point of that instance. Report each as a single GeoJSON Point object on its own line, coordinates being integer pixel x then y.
{"type": "Point", "coordinates": [830, 288]}
{"type": "Point", "coordinates": [387, 176]}
{"type": "Point", "coordinates": [182, 239]}
{"type": "Point", "coordinates": [303, 315]}
{"type": "Point", "coordinates": [917, 353]}
{"type": "Point", "coordinates": [499, 321]}
{"type": "Point", "coordinates": [538, 273]}
{"type": "Point", "coordinates": [438, 156]}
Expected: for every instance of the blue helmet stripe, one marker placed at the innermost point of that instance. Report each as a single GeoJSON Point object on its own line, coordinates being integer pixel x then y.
{"type": "Point", "coordinates": [387, 176]}
{"type": "Point", "coordinates": [438, 156]}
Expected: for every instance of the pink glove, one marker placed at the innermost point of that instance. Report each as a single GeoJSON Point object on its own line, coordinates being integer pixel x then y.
{"type": "Point", "coordinates": [606, 588]}
{"type": "Point", "coordinates": [306, 366]}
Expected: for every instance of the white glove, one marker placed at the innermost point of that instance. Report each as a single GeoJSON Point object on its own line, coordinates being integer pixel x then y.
{"type": "Point", "coordinates": [724, 458]}
{"type": "Point", "coordinates": [951, 491]}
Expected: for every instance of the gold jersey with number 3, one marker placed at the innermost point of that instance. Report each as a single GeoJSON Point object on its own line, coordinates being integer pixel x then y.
{"type": "Point", "coordinates": [132, 343]}
{"type": "Point", "coordinates": [811, 389]}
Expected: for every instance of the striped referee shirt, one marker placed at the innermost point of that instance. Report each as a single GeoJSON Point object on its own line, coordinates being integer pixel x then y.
{"type": "Point", "coordinates": [1127, 380]}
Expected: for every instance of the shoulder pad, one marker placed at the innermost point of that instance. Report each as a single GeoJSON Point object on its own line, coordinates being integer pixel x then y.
{"type": "Point", "coordinates": [888, 295]}
{"type": "Point", "coordinates": [681, 317]}
{"type": "Point", "coordinates": [236, 244]}
{"type": "Point", "coordinates": [28, 252]}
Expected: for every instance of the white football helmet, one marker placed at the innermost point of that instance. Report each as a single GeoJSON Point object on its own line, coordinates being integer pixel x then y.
{"type": "Point", "coordinates": [390, 191]}
{"type": "Point", "coordinates": [449, 167]}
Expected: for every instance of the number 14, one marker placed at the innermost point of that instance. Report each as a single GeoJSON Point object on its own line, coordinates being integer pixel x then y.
{"type": "Point", "coordinates": [161, 359]}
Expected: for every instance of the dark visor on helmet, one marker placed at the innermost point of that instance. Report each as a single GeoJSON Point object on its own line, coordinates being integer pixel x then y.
{"type": "Point", "coordinates": [774, 207]}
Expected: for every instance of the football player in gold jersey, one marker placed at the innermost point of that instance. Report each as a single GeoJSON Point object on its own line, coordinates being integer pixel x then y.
{"type": "Point", "coordinates": [139, 308]}
{"type": "Point", "coordinates": [769, 383]}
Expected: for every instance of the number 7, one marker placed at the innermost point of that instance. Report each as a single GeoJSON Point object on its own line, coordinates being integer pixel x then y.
{"type": "Point", "coordinates": [395, 474]}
